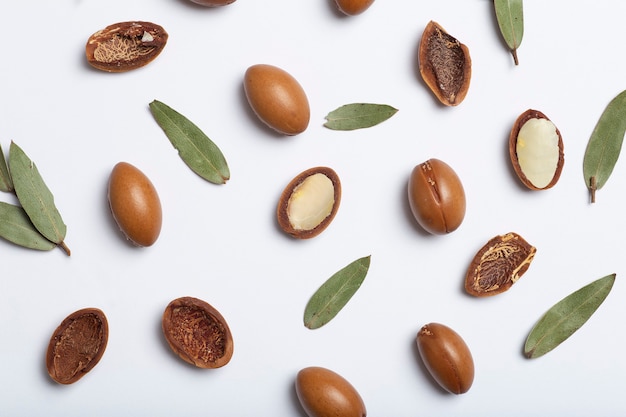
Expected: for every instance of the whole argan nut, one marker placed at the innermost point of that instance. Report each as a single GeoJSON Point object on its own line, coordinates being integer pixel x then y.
{"type": "Point", "coordinates": [446, 357]}
{"type": "Point", "coordinates": [135, 204]}
{"type": "Point", "coordinates": [277, 99]}
{"type": "Point", "coordinates": [77, 345]}
{"type": "Point", "coordinates": [309, 203]}
{"type": "Point", "coordinates": [323, 393]}
{"type": "Point", "coordinates": [436, 197]}
{"type": "Point", "coordinates": [445, 65]}
{"type": "Point", "coordinates": [353, 7]}
{"type": "Point", "coordinates": [213, 3]}
{"type": "Point", "coordinates": [125, 46]}
{"type": "Point", "coordinates": [197, 333]}
{"type": "Point", "coordinates": [536, 150]}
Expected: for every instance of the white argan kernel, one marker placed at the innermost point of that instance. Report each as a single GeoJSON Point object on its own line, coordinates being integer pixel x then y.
{"type": "Point", "coordinates": [538, 151]}
{"type": "Point", "coordinates": [311, 202]}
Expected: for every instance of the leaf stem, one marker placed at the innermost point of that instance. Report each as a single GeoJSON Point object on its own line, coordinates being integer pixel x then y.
{"type": "Point", "coordinates": [592, 188]}
{"type": "Point", "coordinates": [67, 250]}
{"type": "Point", "coordinates": [514, 53]}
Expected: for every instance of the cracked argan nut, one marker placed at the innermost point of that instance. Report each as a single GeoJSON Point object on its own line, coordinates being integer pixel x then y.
{"type": "Point", "coordinates": [353, 7]}
{"type": "Point", "coordinates": [309, 203]}
{"type": "Point", "coordinates": [498, 265]}
{"type": "Point", "coordinates": [436, 197]}
{"type": "Point", "coordinates": [446, 357]}
{"type": "Point", "coordinates": [323, 393]}
{"type": "Point", "coordinates": [135, 204]}
{"type": "Point", "coordinates": [277, 99]}
{"type": "Point", "coordinates": [536, 150]}
{"type": "Point", "coordinates": [77, 345]}
{"type": "Point", "coordinates": [197, 333]}
{"type": "Point", "coordinates": [125, 46]}
{"type": "Point", "coordinates": [213, 3]}
{"type": "Point", "coordinates": [445, 65]}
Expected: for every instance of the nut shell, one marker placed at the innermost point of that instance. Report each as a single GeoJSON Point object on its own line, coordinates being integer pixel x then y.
{"type": "Point", "coordinates": [213, 3]}
{"type": "Point", "coordinates": [353, 7]}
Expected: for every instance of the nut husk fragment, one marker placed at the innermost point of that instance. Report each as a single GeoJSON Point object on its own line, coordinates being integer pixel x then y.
{"type": "Point", "coordinates": [445, 65]}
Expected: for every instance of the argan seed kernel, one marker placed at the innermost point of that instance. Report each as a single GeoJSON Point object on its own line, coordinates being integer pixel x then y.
{"type": "Point", "coordinates": [309, 202]}
{"type": "Point", "coordinates": [498, 265]}
{"type": "Point", "coordinates": [445, 65]}
{"type": "Point", "coordinates": [536, 150]}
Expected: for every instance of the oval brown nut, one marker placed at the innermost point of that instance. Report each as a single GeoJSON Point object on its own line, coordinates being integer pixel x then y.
{"type": "Point", "coordinates": [446, 357]}
{"type": "Point", "coordinates": [353, 7]}
{"type": "Point", "coordinates": [77, 345]}
{"type": "Point", "coordinates": [436, 197]}
{"type": "Point", "coordinates": [536, 150]}
{"type": "Point", "coordinates": [197, 333]}
{"type": "Point", "coordinates": [323, 392]}
{"type": "Point", "coordinates": [498, 265]}
{"type": "Point", "coordinates": [309, 203]}
{"type": "Point", "coordinates": [445, 65]}
{"type": "Point", "coordinates": [125, 46]}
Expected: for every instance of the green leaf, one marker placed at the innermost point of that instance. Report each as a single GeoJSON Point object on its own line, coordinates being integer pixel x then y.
{"type": "Point", "coordinates": [567, 316]}
{"type": "Point", "coordinates": [335, 293]}
{"type": "Point", "coordinates": [194, 147]}
{"type": "Point", "coordinates": [605, 144]}
{"type": "Point", "coordinates": [16, 227]}
{"type": "Point", "coordinates": [5, 178]}
{"type": "Point", "coordinates": [510, 16]}
{"type": "Point", "coordinates": [358, 116]}
{"type": "Point", "coordinates": [35, 197]}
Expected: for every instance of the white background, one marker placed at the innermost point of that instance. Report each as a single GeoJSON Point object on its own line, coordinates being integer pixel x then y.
{"type": "Point", "coordinates": [222, 243]}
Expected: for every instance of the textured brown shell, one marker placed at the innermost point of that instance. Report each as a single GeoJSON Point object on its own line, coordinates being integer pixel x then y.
{"type": "Point", "coordinates": [445, 65]}
{"type": "Point", "coordinates": [77, 345]}
{"type": "Point", "coordinates": [498, 265]}
{"type": "Point", "coordinates": [521, 120]}
{"type": "Point", "coordinates": [353, 7]}
{"type": "Point", "coordinates": [197, 333]}
{"type": "Point", "coordinates": [281, 210]}
{"type": "Point", "coordinates": [125, 46]}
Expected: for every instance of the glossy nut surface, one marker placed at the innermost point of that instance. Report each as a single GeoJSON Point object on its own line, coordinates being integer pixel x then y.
{"type": "Point", "coordinates": [353, 7]}
{"type": "Point", "coordinates": [323, 393]}
{"type": "Point", "coordinates": [446, 357]}
{"type": "Point", "coordinates": [436, 197]}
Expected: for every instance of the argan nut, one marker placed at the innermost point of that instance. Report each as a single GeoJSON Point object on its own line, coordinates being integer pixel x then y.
{"type": "Point", "coordinates": [498, 265]}
{"type": "Point", "coordinates": [446, 357]}
{"type": "Point", "coordinates": [135, 204]}
{"type": "Point", "coordinates": [353, 7]}
{"type": "Point", "coordinates": [125, 46]}
{"type": "Point", "coordinates": [77, 345]}
{"type": "Point", "coordinates": [536, 150]}
{"type": "Point", "coordinates": [277, 99]}
{"type": "Point", "coordinates": [436, 197]}
{"type": "Point", "coordinates": [445, 65]}
{"type": "Point", "coordinates": [213, 3]}
{"type": "Point", "coordinates": [323, 393]}
{"type": "Point", "coordinates": [309, 203]}
{"type": "Point", "coordinates": [197, 333]}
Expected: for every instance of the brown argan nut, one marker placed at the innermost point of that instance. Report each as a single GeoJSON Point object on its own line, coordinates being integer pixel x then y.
{"type": "Point", "coordinates": [436, 197]}
{"type": "Point", "coordinates": [446, 357]}
{"type": "Point", "coordinates": [197, 333]}
{"type": "Point", "coordinates": [77, 345]}
{"type": "Point", "coordinates": [498, 265]}
{"type": "Point", "coordinates": [213, 3]}
{"type": "Point", "coordinates": [323, 393]}
{"type": "Point", "coordinates": [125, 46]}
{"type": "Point", "coordinates": [353, 7]}
{"type": "Point", "coordinates": [277, 99]}
{"type": "Point", "coordinates": [445, 65]}
{"type": "Point", "coordinates": [309, 203]}
{"type": "Point", "coordinates": [536, 150]}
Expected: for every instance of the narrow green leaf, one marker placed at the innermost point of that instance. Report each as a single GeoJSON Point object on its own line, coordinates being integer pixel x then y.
{"type": "Point", "coordinates": [6, 184]}
{"type": "Point", "coordinates": [335, 293]}
{"type": "Point", "coordinates": [567, 316]}
{"type": "Point", "coordinates": [605, 145]}
{"type": "Point", "coordinates": [510, 16]}
{"type": "Point", "coordinates": [358, 116]}
{"type": "Point", "coordinates": [194, 147]}
{"type": "Point", "coordinates": [35, 197]}
{"type": "Point", "coordinates": [16, 227]}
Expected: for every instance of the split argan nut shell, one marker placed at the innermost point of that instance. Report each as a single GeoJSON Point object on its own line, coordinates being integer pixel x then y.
{"type": "Point", "coordinates": [445, 65]}
{"type": "Point", "coordinates": [436, 197]}
{"type": "Point", "coordinates": [446, 357]}
{"type": "Point", "coordinates": [536, 150]}
{"type": "Point", "coordinates": [498, 265]}
{"type": "Point", "coordinates": [353, 7]}
{"type": "Point", "coordinates": [197, 333]}
{"type": "Point", "coordinates": [309, 203]}
{"type": "Point", "coordinates": [277, 99]}
{"type": "Point", "coordinates": [125, 46]}
{"type": "Point", "coordinates": [77, 345]}
{"type": "Point", "coordinates": [323, 393]}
